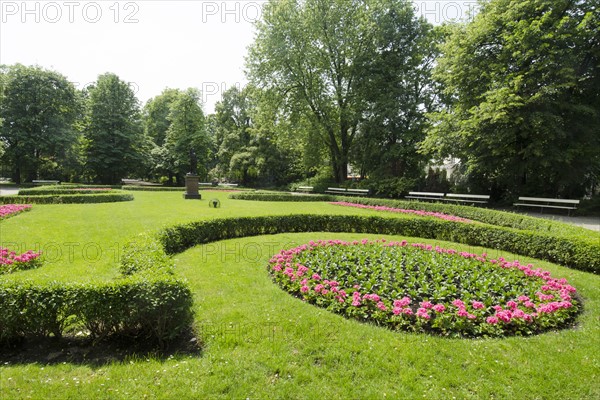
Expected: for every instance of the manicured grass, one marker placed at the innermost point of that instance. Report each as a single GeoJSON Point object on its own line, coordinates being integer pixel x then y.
{"type": "Point", "coordinates": [260, 342]}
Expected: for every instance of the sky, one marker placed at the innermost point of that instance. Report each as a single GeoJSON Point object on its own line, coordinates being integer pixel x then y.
{"type": "Point", "coordinates": [152, 44]}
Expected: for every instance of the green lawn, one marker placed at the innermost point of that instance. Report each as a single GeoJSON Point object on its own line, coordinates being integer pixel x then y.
{"type": "Point", "coordinates": [259, 342]}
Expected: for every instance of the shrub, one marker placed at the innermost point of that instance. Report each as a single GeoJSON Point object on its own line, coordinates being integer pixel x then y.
{"type": "Point", "coordinates": [68, 198]}
{"type": "Point", "coordinates": [11, 262]}
{"type": "Point", "coordinates": [280, 196]}
{"type": "Point", "coordinates": [568, 251]}
{"type": "Point", "coordinates": [62, 191]}
{"type": "Point", "coordinates": [156, 308]}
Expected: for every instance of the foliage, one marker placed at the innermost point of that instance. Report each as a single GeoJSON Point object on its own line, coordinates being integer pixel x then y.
{"type": "Point", "coordinates": [63, 191]}
{"type": "Point", "coordinates": [38, 108]}
{"type": "Point", "coordinates": [403, 211]}
{"type": "Point", "coordinates": [155, 308]}
{"type": "Point", "coordinates": [187, 134]}
{"type": "Point", "coordinates": [114, 143]}
{"type": "Point", "coordinates": [68, 198]}
{"type": "Point", "coordinates": [279, 196]}
{"type": "Point", "coordinates": [521, 83]}
{"type": "Point", "coordinates": [319, 56]}
{"type": "Point", "coordinates": [569, 251]}
{"type": "Point", "coordinates": [425, 289]}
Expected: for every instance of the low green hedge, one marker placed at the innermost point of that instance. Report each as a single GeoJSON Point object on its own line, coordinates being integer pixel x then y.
{"type": "Point", "coordinates": [156, 308]}
{"type": "Point", "coordinates": [154, 188]}
{"type": "Point", "coordinates": [570, 252]}
{"type": "Point", "coordinates": [67, 198]}
{"type": "Point", "coordinates": [489, 216]}
{"type": "Point", "coordinates": [280, 196]}
{"type": "Point", "coordinates": [147, 302]}
{"type": "Point", "coordinates": [65, 191]}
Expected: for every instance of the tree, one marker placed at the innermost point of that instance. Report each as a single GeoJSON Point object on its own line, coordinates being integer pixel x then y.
{"type": "Point", "coordinates": [114, 144]}
{"type": "Point", "coordinates": [38, 108]}
{"type": "Point", "coordinates": [187, 133]}
{"type": "Point", "coordinates": [398, 91]}
{"type": "Point", "coordinates": [522, 89]}
{"type": "Point", "coordinates": [318, 53]}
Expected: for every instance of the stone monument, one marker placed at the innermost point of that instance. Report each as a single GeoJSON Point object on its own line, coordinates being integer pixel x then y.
{"type": "Point", "coordinates": [192, 179]}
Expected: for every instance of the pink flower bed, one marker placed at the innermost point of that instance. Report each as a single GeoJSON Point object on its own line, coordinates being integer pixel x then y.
{"type": "Point", "coordinates": [544, 303]}
{"type": "Point", "coordinates": [11, 261]}
{"type": "Point", "coordinates": [8, 210]}
{"type": "Point", "coordinates": [401, 210]}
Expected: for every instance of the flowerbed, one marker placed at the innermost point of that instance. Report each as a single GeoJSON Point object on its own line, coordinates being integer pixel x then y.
{"type": "Point", "coordinates": [11, 261]}
{"type": "Point", "coordinates": [401, 210]}
{"type": "Point", "coordinates": [8, 210]}
{"type": "Point", "coordinates": [422, 288]}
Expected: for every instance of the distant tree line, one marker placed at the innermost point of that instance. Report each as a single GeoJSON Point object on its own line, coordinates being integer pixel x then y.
{"type": "Point", "coordinates": [339, 88]}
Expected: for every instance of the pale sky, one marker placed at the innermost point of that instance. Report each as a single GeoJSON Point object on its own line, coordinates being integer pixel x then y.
{"type": "Point", "coordinates": [153, 44]}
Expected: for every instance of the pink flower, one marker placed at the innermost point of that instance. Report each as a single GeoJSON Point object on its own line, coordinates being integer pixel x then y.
{"type": "Point", "coordinates": [304, 289]}
{"type": "Point", "coordinates": [381, 306]}
{"type": "Point", "coordinates": [458, 303]}
{"type": "Point", "coordinates": [491, 320]}
{"type": "Point", "coordinates": [426, 305]}
{"type": "Point", "coordinates": [402, 302]}
{"type": "Point", "coordinates": [511, 304]}
{"type": "Point", "coordinates": [316, 277]}
{"type": "Point", "coordinates": [440, 308]}
{"type": "Point", "coordinates": [422, 313]}
{"type": "Point", "coordinates": [478, 305]}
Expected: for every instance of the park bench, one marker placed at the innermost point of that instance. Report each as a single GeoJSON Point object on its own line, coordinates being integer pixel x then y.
{"type": "Point", "coordinates": [39, 182]}
{"type": "Point", "coordinates": [467, 198]}
{"type": "Point", "coordinates": [344, 191]}
{"type": "Point", "coordinates": [305, 189]}
{"type": "Point", "coordinates": [425, 196]}
{"type": "Point", "coordinates": [542, 202]}
{"type": "Point", "coordinates": [229, 184]}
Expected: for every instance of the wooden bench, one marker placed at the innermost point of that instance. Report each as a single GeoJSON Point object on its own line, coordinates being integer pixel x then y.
{"type": "Point", "coordinates": [467, 198]}
{"type": "Point", "coordinates": [425, 196]}
{"type": "Point", "coordinates": [542, 202]}
{"type": "Point", "coordinates": [45, 182]}
{"type": "Point", "coordinates": [344, 191]}
{"type": "Point", "coordinates": [305, 189]}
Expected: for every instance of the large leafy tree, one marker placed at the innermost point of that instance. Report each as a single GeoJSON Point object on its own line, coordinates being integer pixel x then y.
{"type": "Point", "coordinates": [156, 126]}
{"type": "Point", "coordinates": [114, 143]}
{"type": "Point", "coordinates": [318, 54]}
{"type": "Point", "coordinates": [187, 134]}
{"type": "Point", "coordinates": [522, 88]}
{"type": "Point", "coordinates": [38, 108]}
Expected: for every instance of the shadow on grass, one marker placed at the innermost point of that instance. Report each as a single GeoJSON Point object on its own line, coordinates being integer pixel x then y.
{"type": "Point", "coordinates": [83, 351]}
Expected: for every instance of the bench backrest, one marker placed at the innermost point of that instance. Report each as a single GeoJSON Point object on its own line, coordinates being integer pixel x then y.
{"type": "Point", "coordinates": [543, 199]}
{"type": "Point", "coordinates": [468, 196]}
{"type": "Point", "coordinates": [426, 194]}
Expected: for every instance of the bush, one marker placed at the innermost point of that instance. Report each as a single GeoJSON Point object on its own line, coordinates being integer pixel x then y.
{"type": "Point", "coordinates": [63, 191]}
{"type": "Point", "coordinates": [154, 188]}
{"type": "Point", "coordinates": [68, 198]}
{"type": "Point", "coordinates": [147, 302]}
{"type": "Point", "coordinates": [280, 196]}
{"type": "Point", "coordinates": [153, 308]}
{"type": "Point", "coordinates": [568, 251]}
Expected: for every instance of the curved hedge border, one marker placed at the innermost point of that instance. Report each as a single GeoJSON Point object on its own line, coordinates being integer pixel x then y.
{"type": "Point", "coordinates": [266, 196]}
{"type": "Point", "coordinates": [64, 191]}
{"type": "Point", "coordinates": [569, 252]}
{"type": "Point", "coordinates": [68, 198]}
{"type": "Point", "coordinates": [147, 302]}
{"type": "Point", "coordinates": [489, 216]}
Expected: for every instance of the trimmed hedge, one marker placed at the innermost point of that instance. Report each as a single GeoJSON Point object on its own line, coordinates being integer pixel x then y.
{"type": "Point", "coordinates": [272, 196]}
{"type": "Point", "coordinates": [67, 198]}
{"type": "Point", "coordinates": [489, 216]}
{"type": "Point", "coordinates": [570, 252]}
{"type": "Point", "coordinates": [64, 191]}
{"type": "Point", "coordinates": [152, 308]}
{"type": "Point", "coordinates": [154, 188]}
{"type": "Point", "coordinates": [146, 303]}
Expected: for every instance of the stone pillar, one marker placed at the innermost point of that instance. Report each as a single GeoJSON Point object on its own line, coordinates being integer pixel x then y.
{"type": "Point", "coordinates": [191, 187]}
